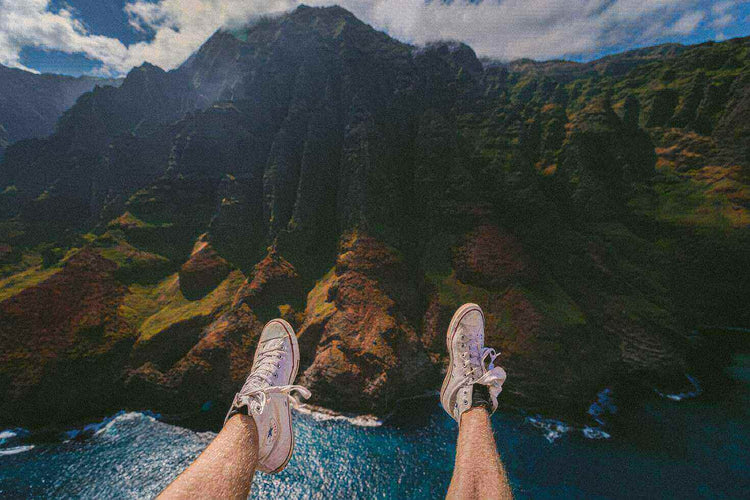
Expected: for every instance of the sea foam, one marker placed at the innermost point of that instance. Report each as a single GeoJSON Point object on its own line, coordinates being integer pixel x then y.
{"type": "Point", "coordinates": [697, 391]}
{"type": "Point", "coordinates": [320, 414]}
{"type": "Point", "coordinates": [15, 450]}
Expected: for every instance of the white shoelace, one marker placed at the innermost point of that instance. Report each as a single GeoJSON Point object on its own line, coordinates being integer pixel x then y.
{"type": "Point", "coordinates": [256, 399]}
{"type": "Point", "coordinates": [491, 376]}
{"type": "Point", "coordinates": [267, 365]}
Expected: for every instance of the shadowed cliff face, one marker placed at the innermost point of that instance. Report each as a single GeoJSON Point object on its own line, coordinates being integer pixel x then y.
{"type": "Point", "coordinates": [313, 168]}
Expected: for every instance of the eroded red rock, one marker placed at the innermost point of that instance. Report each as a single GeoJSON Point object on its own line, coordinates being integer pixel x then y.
{"type": "Point", "coordinates": [363, 351]}
{"type": "Point", "coordinates": [63, 345]}
{"type": "Point", "coordinates": [211, 371]}
{"type": "Point", "coordinates": [490, 258]}
{"type": "Point", "coordinates": [274, 282]}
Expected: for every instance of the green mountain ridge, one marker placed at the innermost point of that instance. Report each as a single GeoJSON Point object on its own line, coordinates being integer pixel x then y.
{"type": "Point", "coordinates": [313, 168]}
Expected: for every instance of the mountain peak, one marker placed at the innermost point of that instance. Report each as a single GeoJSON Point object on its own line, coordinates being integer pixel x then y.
{"type": "Point", "coordinates": [329, 11]}
{"type": "Point", "coordinates": [142, 71]}
{"type": "Point", "coordinates": [332, 18]}
{"type": "Point", "coordinates": [143, 75]}
{"type": "Point", "coordinates": [456, 53]}
{"type": "Point", "coordinates": [329, 20]}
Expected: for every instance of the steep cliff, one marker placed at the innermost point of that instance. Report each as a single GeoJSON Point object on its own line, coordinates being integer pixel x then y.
{"type": "Point", "coordinates": [313, 168]}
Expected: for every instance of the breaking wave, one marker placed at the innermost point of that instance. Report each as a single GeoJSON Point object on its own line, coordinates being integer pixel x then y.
{"type": "Point", "coordinates": [599, 409]}
{"type": "Point", "coordinates": [15, 450]}
{"type": "Point", "coordinates": [697, 391]}
{"type": "Point", "coordinates": [555, 429]}
{"type": "Point", "coordinates": [324, 415]}
{"type": "Point", "coordinates": [11, 441]}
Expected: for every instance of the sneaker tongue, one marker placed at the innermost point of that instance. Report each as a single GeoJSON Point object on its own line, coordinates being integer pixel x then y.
{"type": "Point", "coordinates": [273, 345]}
{"type": "Point", "coordinates": [475, 356]}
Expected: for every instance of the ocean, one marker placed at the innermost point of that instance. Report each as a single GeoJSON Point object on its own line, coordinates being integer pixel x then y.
{"type": "Point", "coordinates": [685, 447]}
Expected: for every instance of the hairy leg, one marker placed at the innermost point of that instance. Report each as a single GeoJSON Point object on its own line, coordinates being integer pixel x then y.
{"type": "Point", "coordinates": [225, 469]}
{"type": "Point", "coordinates": [478, 472]}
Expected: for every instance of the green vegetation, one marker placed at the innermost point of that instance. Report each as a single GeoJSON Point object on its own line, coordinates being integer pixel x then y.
{"type": "Point", "coordinates": [18, 282]}
{"type": "Point", "coordinates": [553, 303]}
{"type": "Point", "coordinates": [152, 309]}
{"type": "Point", "coordinates": [128, 221]}
{"type": "Point", "coordinates": [318, 296]}
{"type": "Point", "coordinates": [548, 298]}
{"type": "Point", "coordinates": [133, 265]}
{"type": "Point", "coordinates": [711, 198]}
{"type": "Point", "coordinates": [451, 291]}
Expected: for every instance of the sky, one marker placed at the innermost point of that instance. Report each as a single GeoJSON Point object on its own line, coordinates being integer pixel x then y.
{"type": "Point", "coordinates": [109, 37]}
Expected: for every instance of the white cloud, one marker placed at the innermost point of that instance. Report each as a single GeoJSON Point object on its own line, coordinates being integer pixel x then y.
{"type": "Point", "coordinates": [722, 21]}
{"type": "Point", "coordinates": [503, 29]}
{"type": "Point", "coordinates": [722, 17]}
{"type": "Point", "coordinates": [719, 8]}
{"type": "Point", "coordinates": [687, 23]}
{"type": "Point", "coordinates": [30, 23]}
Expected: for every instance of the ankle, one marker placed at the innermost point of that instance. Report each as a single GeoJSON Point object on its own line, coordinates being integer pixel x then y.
{"type": "Point", "coordinates": [475, 413]}
{"type": "Point", "coordinates": [480, 397]}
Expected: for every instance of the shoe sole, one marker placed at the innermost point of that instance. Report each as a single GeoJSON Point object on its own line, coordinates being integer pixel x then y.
{"type": "Point", "coordinates": [455, 320]}
{"type": "Point", "coordinates": [295, 367]}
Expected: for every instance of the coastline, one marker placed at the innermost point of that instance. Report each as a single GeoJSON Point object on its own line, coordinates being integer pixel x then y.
{"type": "Point", "coordinates": [321, 414]}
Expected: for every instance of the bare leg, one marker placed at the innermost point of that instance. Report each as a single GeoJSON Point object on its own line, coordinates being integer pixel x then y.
{"type": "Point", "coordinates": [225, 469]}
{"type": "Point", "coordinates": [478, 472]}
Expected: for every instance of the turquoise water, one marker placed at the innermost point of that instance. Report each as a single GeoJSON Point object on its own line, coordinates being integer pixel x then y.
{"type": "Point", "coordinates": [686, 449]}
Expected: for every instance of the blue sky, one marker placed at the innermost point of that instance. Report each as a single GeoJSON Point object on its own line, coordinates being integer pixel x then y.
{"type": "Point", "coordinates": [108, 37]}
{"type": "Point", "coordinates": [101, 17]}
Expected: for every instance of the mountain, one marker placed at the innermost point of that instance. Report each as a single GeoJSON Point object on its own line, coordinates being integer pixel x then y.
{"type": "Point", "coordinates": [31, 104]}
{"type": "Point", "coordinates": [311, 167]}
{"type": "Point", "coordinates": [611, 65]}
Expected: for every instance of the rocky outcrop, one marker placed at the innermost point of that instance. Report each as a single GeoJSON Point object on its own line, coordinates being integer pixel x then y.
{"type": "Point", "coordinates": [206, 375]}
{"type": "Point", "coordinates": [663, 104]}
{"type": "Point", "coordinates": [62, 344]}
{"type": "Point", "coordinates": [602, 159]}
{"type": "Point", "coordinates": [491, 259]}
{"type": "Point", "coordinates": [203, 271]}
{"type": "Point", "coordinates": [274, 282]}
{"type": "Point", "coordinates": [733, 130]}
{"type": "Point", "coordinates": [360, 347]}
{"type": "Point", "coordinates": [236, 228]}
{"type": "Point", "coordinates": [533, 316]}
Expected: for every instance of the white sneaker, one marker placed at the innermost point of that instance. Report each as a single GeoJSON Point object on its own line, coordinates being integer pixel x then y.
{"type": "Point", "coordinates": [465, 342]}
{"type": "Point", "coordinates": [267, 394]}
